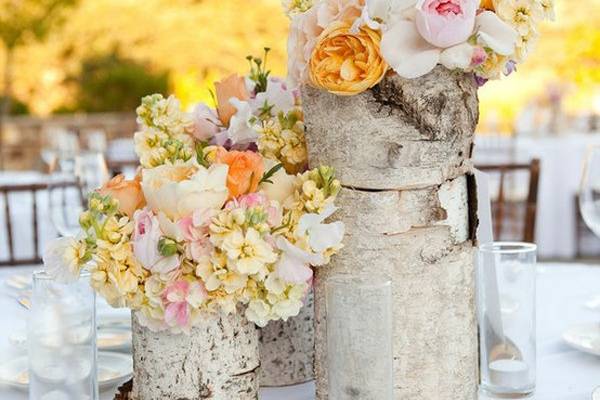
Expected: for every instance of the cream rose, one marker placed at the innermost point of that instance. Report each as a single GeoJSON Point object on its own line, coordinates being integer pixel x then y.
{"type": "Point", "coordinates": [177, 191]}
{"type": "Point", "coordinates": [283, 184]}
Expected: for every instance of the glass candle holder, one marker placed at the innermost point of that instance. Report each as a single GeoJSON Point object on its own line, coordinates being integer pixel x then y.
{"type": "Point", "coordinates": [359, 337]}
{"type": "Point", "coordinates": [506, 312]}
{"type": "Point", "coordinates": [62, 339]}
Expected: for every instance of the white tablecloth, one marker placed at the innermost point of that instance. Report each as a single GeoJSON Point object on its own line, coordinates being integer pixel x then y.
{"type": "Point", "coordinates": [563, 373]}
{"type": "Point", "coordinates": [561, 167]}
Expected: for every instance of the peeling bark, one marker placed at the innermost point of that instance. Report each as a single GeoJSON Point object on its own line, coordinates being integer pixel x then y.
{"type": "Point", "coordinates": [287, 351]}
{"type": "Point", "coordinates": [402, 152]}
{"type": "Point", "coordinates": [217, 361]}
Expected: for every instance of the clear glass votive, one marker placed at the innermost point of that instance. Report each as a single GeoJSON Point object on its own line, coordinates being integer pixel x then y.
{"type": "Point", "coordinates": [506, 312]}
{"type": "Point", "coordinates": [359, 337]}
{"type": "Point", "coordinates": [62, 340]}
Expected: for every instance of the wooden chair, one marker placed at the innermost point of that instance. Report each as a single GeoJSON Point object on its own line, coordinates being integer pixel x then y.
{"type": "Point", "coordinates": [504, 209]}
{"type": "Point", "coordinates": [34, 189]}
{"type": "Point", "coordinates": [5, 191]}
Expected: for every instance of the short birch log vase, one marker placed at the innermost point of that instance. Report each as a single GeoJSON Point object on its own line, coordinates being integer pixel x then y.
{"type": "Point", "coordinates": [402, 153]}
{"type": "Point", "coordinates": [217, 361]}
{"type": "Point", "coordinates": [287, 349]}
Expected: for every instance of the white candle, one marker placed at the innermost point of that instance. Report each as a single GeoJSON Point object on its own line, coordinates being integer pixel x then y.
{"type": "Point", "coordinates": [509, 373]}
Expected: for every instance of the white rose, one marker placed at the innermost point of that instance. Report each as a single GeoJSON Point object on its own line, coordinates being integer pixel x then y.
{"type": "Point", "coordinates": [178, 191]}
{"type": "Point", "coordinates": [282, 186]}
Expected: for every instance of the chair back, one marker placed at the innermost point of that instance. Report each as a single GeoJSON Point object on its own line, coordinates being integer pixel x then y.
{"type": "Point", "coordinates": [9, 227]}
{"type": "Point", "coordinates": [509, 212]}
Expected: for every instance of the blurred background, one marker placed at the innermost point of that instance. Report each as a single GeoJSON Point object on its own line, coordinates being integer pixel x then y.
{"type": "Point", "coordinates": [73, 71]}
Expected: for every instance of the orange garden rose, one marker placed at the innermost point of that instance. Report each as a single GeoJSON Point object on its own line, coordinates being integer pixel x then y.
{"type": "Point", "coordinates": [128, 193]}
{"type": "Point", "coordinates": [345, 63]}
{"type": "Point", "coordinates": [232, 86]}
{"type": "Point", "coordinates": [487, 4]}
{"type": "Point", "coordinates": [246, 169]}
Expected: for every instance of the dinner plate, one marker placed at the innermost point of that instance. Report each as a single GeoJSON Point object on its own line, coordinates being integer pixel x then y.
{"type": "Point", "coordinates": [113, 369]}
{"type": "Point", "coordinates": [107, 339]}
{"type": "Point", "coordinates": [18, 281]}
{"type": "Point", "coordinates": [584, 337]}
{"type": "Point", "coordinates": [113, 339]}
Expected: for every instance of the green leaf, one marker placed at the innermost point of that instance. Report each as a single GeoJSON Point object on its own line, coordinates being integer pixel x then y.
{"type": "Point", "coordinates": [269, 174]}
{"type": "Point", "coordinates": [200, 154]}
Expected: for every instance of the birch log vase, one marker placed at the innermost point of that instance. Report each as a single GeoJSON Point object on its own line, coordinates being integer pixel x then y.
{"type": "Point", "coordinates": [218, 360]}
{"type": "Point", "coordinates": [402, 153]}
{"type": "Point", "coordinates": [287, 349]}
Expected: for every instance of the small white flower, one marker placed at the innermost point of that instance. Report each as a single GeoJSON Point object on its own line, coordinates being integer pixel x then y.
{"type": "Point", "coordinates": [240, 129]}
{"type": "Point", "coordinates": [249, 253]}
{"type": "Point", "coordinates": [258, 311]}
{"type": "Point", "coordinates": [62, 258]}
{"type": "Point", "coordinates": [321, 236]}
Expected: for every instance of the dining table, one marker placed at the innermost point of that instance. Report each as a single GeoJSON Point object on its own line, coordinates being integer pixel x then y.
{"type": "Point", "coordinates": [564, 291]}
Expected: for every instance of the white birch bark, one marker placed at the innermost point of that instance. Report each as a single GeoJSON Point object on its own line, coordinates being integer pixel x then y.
{"type": "Point", "coordinates": [401, 151]}
{"type": "Point", "coordinates": [287, 349]}
{"type": "Point", "coordinates": [217, 361]}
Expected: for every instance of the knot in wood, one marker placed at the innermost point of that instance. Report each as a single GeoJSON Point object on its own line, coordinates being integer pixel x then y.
{"type": "Point", "coordinates": [394, 155]}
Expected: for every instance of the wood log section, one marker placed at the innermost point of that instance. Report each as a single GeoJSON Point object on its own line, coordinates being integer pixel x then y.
{"type": "Point", "coordinates": [402, 153]}
{"type": "Point", "coordinates": [217, 361]}
{"type": "Point", "coordinates": [287, 349]}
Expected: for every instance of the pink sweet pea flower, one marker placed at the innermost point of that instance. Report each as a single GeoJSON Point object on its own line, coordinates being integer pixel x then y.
{"type": "Point", "coordinates": [446, 23]}
{"type": "Point", "coordinates": [206, 122]}
{"type": "Point", "coordinates": [146, 236]}
{"type": "Point", "coordinates": [179, 299]}
{"type": "Point", "coordinates": [196, 234]}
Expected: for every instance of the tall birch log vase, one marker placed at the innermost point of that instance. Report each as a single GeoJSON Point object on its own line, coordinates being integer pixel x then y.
{"type": "Point", "coordinates": [217, 361]}
{"type": "Point", "coordinates": [402, 153]}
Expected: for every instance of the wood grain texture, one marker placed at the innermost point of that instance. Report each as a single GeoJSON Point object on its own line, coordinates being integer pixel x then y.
{"type": "Point", "coordinates": [217, 361]}
{"type": "Point", "coordinates": [402, 151]}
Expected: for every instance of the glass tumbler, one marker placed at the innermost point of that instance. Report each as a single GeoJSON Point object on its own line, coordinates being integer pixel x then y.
{"type": "Point", "coordinates": [62, 340]}
{"type": "Point", "coordinates": [359, 337]}
{"type": "Point", "coordinates": [506, 313]}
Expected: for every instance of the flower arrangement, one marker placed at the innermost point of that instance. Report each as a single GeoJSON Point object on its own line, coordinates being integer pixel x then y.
{"type": "Point", "coordinates": [223, 211]}
{"type": "Point", "coordinates": [347, 46]}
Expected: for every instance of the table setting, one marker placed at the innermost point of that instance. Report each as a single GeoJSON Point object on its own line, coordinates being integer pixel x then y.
{"type": "Point", "coordinates": [320, 237]}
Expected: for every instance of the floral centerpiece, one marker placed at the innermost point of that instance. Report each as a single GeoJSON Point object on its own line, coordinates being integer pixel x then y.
{"type": "Point", "coordinates": [390, 102]}
{"type": "Point", "coordinates": [347, 46]}
{"type": "Point", "coordinates": [222, 211]}
{"type": "Point", "coordinates": [222, 217]}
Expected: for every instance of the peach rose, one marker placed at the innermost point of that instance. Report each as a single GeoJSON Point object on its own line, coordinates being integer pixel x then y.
{"type": "Point", "coordinates": [232, 86]}
{"type": "Point", "coordinates": [246, 169]}
{"type": "Point", "coordinates": [345, 63]}
{"type": "Point", "coordinates": [128, 193]}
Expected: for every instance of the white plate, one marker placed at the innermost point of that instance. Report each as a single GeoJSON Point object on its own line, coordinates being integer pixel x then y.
{"type": "Point", "coordinates": [107, 339]}
{"type": "Point", "coordinates": [113, 321]}
{"type": "Point", "coordinates": [18, 281]}
{"type": "Point", "coordinates": [584, 337]}
{"type": "Point", "coordinates": [113, 369]}
{"type": "Point", "coordinates": [113, 339]}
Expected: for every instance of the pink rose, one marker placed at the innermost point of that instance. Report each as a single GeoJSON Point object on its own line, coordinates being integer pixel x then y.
{"type": "Point", "coordinates": [179, 299]}
{"type": "Point", "coordinates": [206, 122]}
{"type": "Point", "coordinates": [446, 23]}
{"type": "Point", "coordinates": [146, 236]}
